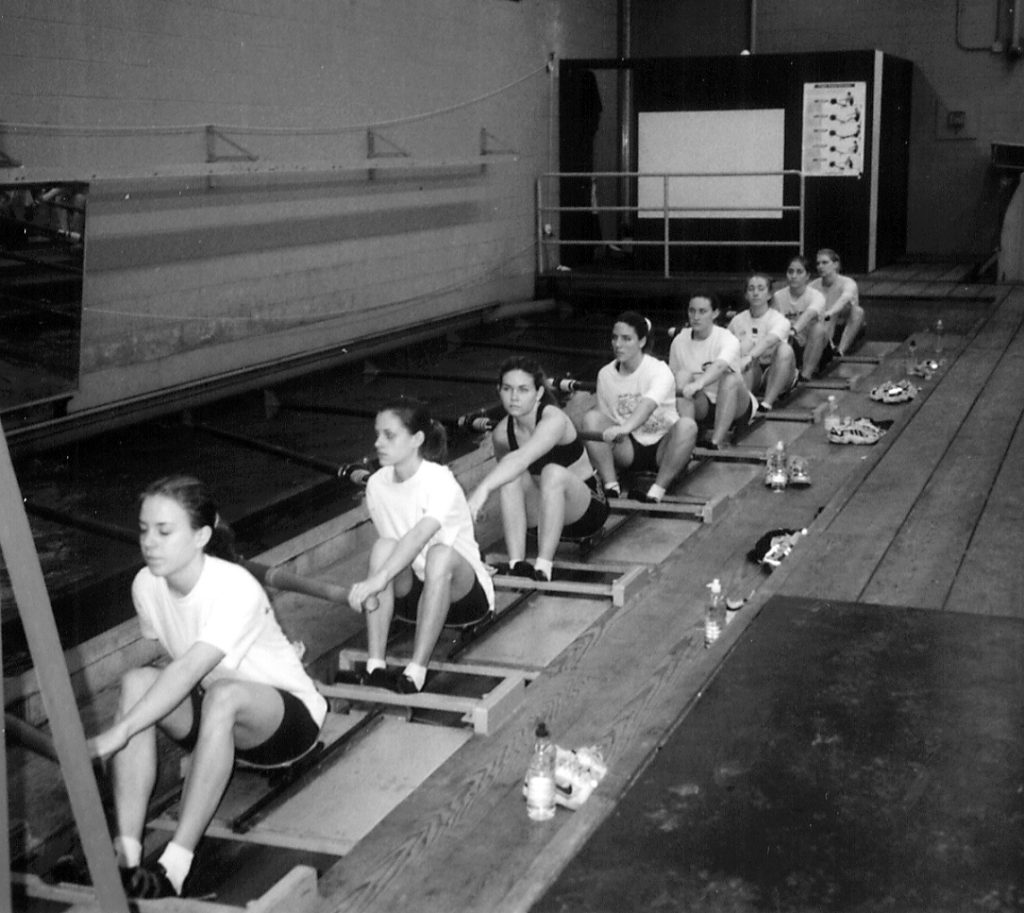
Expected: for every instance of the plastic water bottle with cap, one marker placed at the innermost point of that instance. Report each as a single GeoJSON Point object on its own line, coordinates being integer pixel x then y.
{"type": "Point", "coordinates": [776, 477]}
{"type": "Point", "coordinates": [540, 777]}
{"type": "Point", "coordinates": [714, 614]}
{"type": "Point", "coordinates": [831, 420]}
{"type": "Point", "coordinates": [940, 331]}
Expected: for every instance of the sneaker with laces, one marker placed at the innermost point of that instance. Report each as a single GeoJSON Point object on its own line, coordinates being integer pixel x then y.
{"type": "Point", "coordinates": [893, 392]}
{"type": "Point", "coordinates": [796, 469]}
{"type": "Point", "coordinates": [150, 883]}
{"type": "Point", "coordinates": [857, 431]}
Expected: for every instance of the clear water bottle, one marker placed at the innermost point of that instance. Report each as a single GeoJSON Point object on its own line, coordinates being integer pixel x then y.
{"type": "Point", "coordinates": [911, 357]}
{"type": "Point", "coordinates": [939, 337]}
{"type": "Point", "coordinates": [831, 420]}
{"type": "Point", "coordinates": [776, 475]}
{"type": "Point", "coordinates": [714, 614]}
{"type": "Point", "coordinates": [540, 777]}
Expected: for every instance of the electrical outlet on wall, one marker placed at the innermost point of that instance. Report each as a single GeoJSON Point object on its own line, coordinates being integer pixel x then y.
{"type": "Point", "coordinates": [954, 120]}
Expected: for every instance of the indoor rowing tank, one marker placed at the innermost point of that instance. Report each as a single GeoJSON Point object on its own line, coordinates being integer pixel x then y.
{"type": "Point", "coordinates": [285, 464]}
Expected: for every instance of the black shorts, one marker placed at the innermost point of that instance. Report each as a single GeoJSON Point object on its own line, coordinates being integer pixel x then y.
{"type": "Point", "coordinates": [742, 419]}
{"type": "Point", "coordinates": [593, 517]}
{"type": "Point", "coordinates": [296, 735]}
{"type": "Point", "coordinates": [826, 356]}
{"type": "Point", "coordinates": [470, 609]}
{"type": "Point", "coordinates": [645, 456]}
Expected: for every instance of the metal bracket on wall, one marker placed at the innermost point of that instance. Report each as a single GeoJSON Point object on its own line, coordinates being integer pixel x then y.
{"type": "Point", "coordinates": [389, 150]}
{"type": "Point", "coordinates": [486, 144]}
{"type": "Point", "coordinates": [212, 155]}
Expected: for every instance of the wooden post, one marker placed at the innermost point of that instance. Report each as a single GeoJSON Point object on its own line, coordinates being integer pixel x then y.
{"type": "Point", "coordinates": [37, 620]}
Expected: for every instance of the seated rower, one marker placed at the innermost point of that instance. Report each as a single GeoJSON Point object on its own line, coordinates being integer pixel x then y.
{"type": "Point", "coordinates": [704, 359]}
{"type": "Point", "coordinates": [426, 564]}
{"type": "Point", "coordinates": [232, 687]}
{"type": "Point", "coordinates": [636, 415]}
{"type": "Point", "coordinates": [543, 474]}
{"type": "Point", "coordinates": [766, 357]}
{"type": "Point", "coordinates": [804, 308]}
{"type": "Point", "coordinates": [842, 301]}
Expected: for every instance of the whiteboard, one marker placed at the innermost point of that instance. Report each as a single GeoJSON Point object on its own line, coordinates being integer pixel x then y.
{"type": "Point", "coordinates": [699, 143]}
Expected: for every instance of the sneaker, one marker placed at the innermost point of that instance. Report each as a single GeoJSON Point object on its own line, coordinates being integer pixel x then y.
{"type": "Point", "coordinates": [523, 569]}
{"type": "Point", "coordinates": [378, 678]}
{"type": "Point", "coordinates": [405, 685]}
{"type": "Point", "coordinates": [892, 392]}
{"type": "Point", "coordinates": [150, 883]}
{"type": "Point", "coordinates": [641, 497]}
{"type": "Point", "coordinates": [575, 778]}
{"type": "Point", "coordinates": [796, 469]}
{"type": "Point", "coordinates": [857, 431]}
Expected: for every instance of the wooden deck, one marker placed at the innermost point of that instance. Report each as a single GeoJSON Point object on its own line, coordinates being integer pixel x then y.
{"type": "Point", "coordinates": [927, 517]}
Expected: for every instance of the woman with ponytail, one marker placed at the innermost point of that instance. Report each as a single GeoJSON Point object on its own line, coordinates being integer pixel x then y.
{"type": "Point", "coordinates": [232, 686]}
{"type": "Point", "coordinates": [543, 475]}
{"type": "Point", "coordinates": [426, 564]}
{"type": "Point", "coordinates": [636, 415]}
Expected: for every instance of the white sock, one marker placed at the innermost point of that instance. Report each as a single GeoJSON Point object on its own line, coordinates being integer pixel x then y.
{"type": "Point", "coordinates": [176, 861]}
{"type": "Point", "coordinates": [372, 664]}
{"type": "Point", "coordinates": [614, 486]}
{"type": "Point", "coordinates": [127, 851]}
{"type": "Point", "coordinates": [417, 674]}
{"type": "Point", "coordinates": [656, 492]}
{"type": "Point", "coordinates": [544, 566]}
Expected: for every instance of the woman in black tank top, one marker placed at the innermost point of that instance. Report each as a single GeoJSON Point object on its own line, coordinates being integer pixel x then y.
{"type": "Point", "coordinates": [543, 475]}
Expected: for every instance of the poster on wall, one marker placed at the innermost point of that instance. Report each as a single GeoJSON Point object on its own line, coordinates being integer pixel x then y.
{"type": "Point", "coordinates": [834, 128]}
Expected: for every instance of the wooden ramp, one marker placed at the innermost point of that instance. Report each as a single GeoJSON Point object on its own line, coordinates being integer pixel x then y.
{"type": "Point", "coordinates": [625, 683]}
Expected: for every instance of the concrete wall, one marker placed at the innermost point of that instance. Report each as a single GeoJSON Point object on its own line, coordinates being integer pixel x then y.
{"type": "Point", "coordinates": [188, 275]}
{"type": "Point", "coordinates": [959, 52]}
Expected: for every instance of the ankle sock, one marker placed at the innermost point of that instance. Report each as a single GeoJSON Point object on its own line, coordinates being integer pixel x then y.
{"type": "Point", "coordinates": [176, 861]}
{"type": "Point", "coordinates": [372, 664]}
{"type": "Point", "coordinates": [613, 487]}
{"type": "Point", "coordinates": [417, 674]}
{"type": "Point", "coordinates": [543, 566]}
{"type": "Point", "coordinates": [655, 492]}
{"type": "Point", "coordinates": [127, 851]}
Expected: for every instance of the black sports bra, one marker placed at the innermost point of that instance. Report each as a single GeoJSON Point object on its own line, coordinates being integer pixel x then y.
{"type": "Point", "coordinates": [560, 454]}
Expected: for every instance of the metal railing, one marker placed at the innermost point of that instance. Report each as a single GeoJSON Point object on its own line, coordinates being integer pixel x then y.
{"type": "Point", "coordinates": [548, 240]}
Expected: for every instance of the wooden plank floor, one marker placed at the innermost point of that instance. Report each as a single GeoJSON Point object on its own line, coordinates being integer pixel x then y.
{"type": "Point", "coordinates": [928, 517]}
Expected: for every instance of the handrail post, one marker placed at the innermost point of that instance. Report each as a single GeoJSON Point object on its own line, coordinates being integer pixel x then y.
{"type": "Point", "coordinates": [664, 210]}
{"type": "Point", "coordinates": [540, 227]}
{"type": "Point", "coordinates": [803, 210]}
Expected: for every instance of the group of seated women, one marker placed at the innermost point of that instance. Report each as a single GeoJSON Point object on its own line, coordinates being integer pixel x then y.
{"type": "Point", "coordinates": [231, 686]}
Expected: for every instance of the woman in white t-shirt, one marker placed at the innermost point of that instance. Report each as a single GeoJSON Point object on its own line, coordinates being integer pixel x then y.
{"type": "Point", "coordinates": [426, 563]}
{"type": "Point", "coordinates": [705, 362]}
{"type": "Point", "coordinates": [636, 417]}
{"type": "Point", "coordinates": [766, 357]}
{"type": "Point", "coordinates": [232, 687]}
{"type": "Point", "coordinates": [804, 307]}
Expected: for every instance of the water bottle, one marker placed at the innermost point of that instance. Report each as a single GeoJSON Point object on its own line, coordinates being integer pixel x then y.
{"type": "Point", "coordinates": [714, 614]}
{"type": "Point", "coordinates": [831, 420]}
{"type": "Point", "coordinates": [939, 341]}
{"type": "Point", "coordinates": [540, 777]}
{"type": "Point", "coordinates": [776, 477]}
{"type": "Point", "coordinates": [911, 357]}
